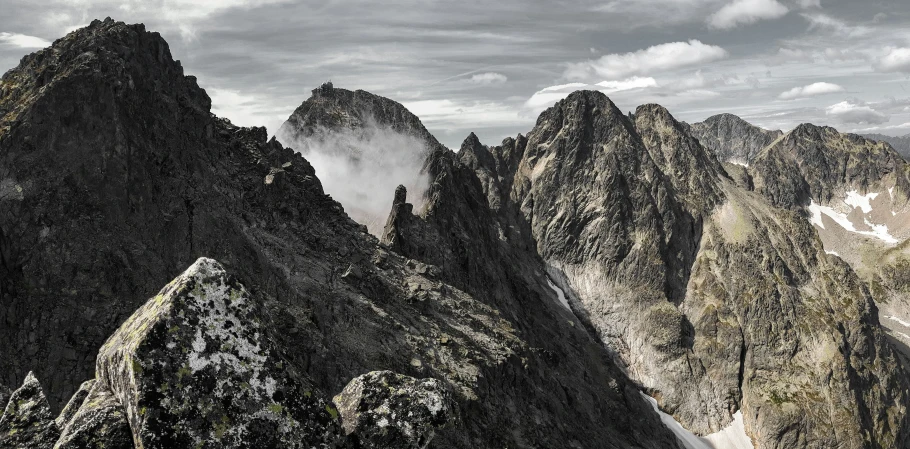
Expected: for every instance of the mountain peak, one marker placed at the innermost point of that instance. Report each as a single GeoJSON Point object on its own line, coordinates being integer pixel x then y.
{"type": "Point", "coordinates": [332, 108]}
{"type": "Point", "coordinates": [732, 139]}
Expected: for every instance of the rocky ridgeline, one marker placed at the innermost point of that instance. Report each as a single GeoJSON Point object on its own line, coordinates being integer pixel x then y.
{"type": "Point", "coordinates": [544, 283]}
{"type": "Point", "coordinates": [108, 121]}
{"type": "Point", "coordinates": [195, 367]}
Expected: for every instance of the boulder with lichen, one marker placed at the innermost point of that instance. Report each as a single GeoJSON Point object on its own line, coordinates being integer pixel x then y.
{"type": "Point", "coordinates": [195, 367]}
{"type": "Point", "coordinates": [382, 409]}
{"type": "Point", "coordinates": [27, 421]}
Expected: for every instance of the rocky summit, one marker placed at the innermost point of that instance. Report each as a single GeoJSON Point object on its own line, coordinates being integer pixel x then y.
{"type": "Point", "coordinates": [607, 280]}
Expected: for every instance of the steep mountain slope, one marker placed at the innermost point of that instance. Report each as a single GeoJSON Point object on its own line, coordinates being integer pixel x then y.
{"type": "Point", "coordinates": [712, 299]}
{"type": "Point", "coordinates": [900, 143]}
{"type": "Point", "coordinates": [116, 177]}
{"type": "Point", "coordinates": [732, 139]}
{"type": "Point", "coordinates": [855, 193]}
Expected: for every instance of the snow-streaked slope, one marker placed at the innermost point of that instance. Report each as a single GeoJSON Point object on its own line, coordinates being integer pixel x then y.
{"type": "Point", "coordinates": [878, 231]}
{"type": "Point", "coordinates": [731, 437]}
{"type": "Point", "coordinates": [559, 294]}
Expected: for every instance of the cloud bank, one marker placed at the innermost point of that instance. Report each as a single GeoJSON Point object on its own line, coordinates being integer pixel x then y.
{"type": "Point", "coordinates": [361, 169]}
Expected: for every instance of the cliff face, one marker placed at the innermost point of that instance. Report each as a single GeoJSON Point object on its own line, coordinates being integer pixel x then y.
{"type": "Point", "coordinates": [116, 177]}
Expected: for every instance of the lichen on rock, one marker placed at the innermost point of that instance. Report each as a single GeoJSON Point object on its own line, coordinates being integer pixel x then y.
{"type": "Point", "coordinates": [194, 368]}
{"type": "Point", "coordinates": [383, 409]}
{"type": "Point", "coordinates": [27, 421]}
{"type": "Point", "coordinates": [99, 422]}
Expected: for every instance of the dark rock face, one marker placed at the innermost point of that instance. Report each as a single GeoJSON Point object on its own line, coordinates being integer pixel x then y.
{"type": "Point", "coordinates": [331, 109]}
{"type": "Point", "coordinates": [27, 420]}
{"type": "Point", "coordinates": [384, 409]}
{"type": "Point", "coordinates": [195, 367]}
{"type": "Point", "coordinates": [732, 139]}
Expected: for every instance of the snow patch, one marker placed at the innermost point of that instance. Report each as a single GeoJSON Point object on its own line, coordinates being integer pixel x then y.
{"type": "Point", "coordinates": [832, 253]}
{"type": "Point", "coordinates": [559, 294]}
{"type": "Point", "coordinates": [730, 437]}
{"type": "Point", "coordinates": [740, 163]}
{"type": "Point", "coordinates": [898, 320]}
{"type": "Point", "coordinates": [878, 231]}
{"type": "Point", "coordinates": [863, 202]}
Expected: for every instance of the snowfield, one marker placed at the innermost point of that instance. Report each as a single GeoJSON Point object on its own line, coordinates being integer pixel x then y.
{"type": "Point", "coordinates": [731, 437]}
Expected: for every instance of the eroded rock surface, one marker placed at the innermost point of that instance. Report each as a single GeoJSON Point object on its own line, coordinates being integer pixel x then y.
{"type": "Point", "coordinates": [382, 409]}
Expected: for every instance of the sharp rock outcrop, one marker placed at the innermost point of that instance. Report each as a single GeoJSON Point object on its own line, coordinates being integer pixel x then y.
{"type": "Point", "coordinates": [27, 420]}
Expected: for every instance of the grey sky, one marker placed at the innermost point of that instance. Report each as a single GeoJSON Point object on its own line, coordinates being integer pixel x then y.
{"type": "Point", "coordinates": [491, 67]}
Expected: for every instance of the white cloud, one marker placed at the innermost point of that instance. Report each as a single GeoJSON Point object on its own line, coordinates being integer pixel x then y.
{"type": "Point", "coordinates": [546, 97]}
{"type": "Point", "coordinates": [185, 15]}
{"type": "Point", "coordinates": [852, 112]}
{"type": "Point", "coordinates": [489, 78]}
{"type": "Point", "coordinates": [22, 40]}
{"type": "Point", "coordinates": [746, 12]}
{"type": "Point", "coordinates": [896, 60]}
{"type": "Point", "coordinates": [361, 168]}
{"type": "Point", "coordinates": [811, 91]}
{"type": "Point", "coordinates": [636, 82]}
{"type": "Point", "coordinates": [659, 57]}
{"type": "Point", "coordinates": [246, 110]}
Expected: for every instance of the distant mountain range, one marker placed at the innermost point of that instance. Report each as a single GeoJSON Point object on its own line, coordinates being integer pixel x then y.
{"type": "Point", "coordinates": [901, 144]}
{"type": "Point", "coordinates": [608, 280]}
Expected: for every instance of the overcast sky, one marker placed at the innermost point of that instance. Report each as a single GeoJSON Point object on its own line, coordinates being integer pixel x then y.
{"type": "Point", "coordinates": [492, 66]}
